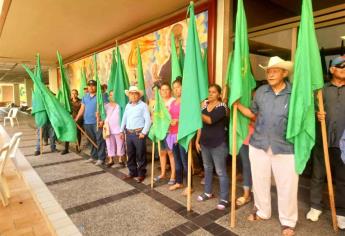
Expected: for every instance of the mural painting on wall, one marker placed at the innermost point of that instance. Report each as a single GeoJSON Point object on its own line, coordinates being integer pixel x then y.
{"type": "Point", "coordinates": [155, 53]}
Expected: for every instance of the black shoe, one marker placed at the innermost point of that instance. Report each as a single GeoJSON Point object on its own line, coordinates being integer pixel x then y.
{"type": "Point", "coordinates": [37, 153]}
{"type": "Point", "coordinates": [64, 152]}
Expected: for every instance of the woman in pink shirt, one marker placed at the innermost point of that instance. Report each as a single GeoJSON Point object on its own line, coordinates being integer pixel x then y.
{"type": "Point", "coordinates": [180, 155]}
{"type": "Point", "coordinates": [115, 145]}
{"type": "Point", "coordinates": [165, 92]}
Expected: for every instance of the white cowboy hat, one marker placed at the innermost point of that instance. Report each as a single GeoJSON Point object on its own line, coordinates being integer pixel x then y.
{"type": "Point", "coordinates": [277, 62]}
{"type": "Point", "coordinates": [134, 89]}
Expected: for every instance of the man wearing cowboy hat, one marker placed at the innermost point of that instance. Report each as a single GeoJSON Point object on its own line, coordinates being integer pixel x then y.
{"type": "Point", "coordinates": [135, 123]}
{"type": "Point", "coordinates": [334, 100]}
{"type": "Point", "coordinates": [269, 151]}
{"type": "Point", "coordinates": [88, 111]}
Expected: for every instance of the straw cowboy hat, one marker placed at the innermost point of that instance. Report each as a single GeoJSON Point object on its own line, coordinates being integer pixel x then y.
{"type": "Point", "coordinates": [134, 89]}
{"type": "Point", "coordinates": [277, 62]}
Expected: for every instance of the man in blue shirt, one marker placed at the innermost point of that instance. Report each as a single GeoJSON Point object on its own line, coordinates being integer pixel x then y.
{"type": "Point", "coordinates": [92, 127]}
{"type": "Point", "coordinates": [136, 123]}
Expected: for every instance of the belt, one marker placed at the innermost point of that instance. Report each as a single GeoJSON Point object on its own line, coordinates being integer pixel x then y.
{"type": "Point", "coordinates": [134, 131]}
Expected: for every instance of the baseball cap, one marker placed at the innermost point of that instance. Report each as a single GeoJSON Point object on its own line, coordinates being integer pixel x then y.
{"type": "Point", "coordinates": [92, 82]}
{"type": "Point", "coordinates": [338, 61]}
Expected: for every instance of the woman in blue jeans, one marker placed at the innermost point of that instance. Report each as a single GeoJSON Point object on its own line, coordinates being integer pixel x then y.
{"type": "Point", "coordinates": [211, 141]}
{"type": "Point", "coordinates": [180, 155]}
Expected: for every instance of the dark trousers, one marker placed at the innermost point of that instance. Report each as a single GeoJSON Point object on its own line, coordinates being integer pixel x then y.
{"type": "Point", "coordinates": [97, 137]}
{"type": "Point", "coordinates": [181, 162]}
{"type": "Point", "coordinates": [136, 151]}
{"type": "Point", "coordinates": [78, 139]}
{"type": "Point", "coordinates": [319, 175]}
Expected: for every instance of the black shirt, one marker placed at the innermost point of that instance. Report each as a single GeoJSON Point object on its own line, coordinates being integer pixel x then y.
{"type": "Point", "coordinates": [214, 134]}
{"type": "Point", "coordinates": [334, 102]}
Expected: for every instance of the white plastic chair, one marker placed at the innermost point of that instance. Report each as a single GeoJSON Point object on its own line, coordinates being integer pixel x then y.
{"type": "Point", "coordinates": [4, 190]}
{"type": "Point", "coordinates": [13, 147]}
{"type": "Point", "coordinates": [12, 114]}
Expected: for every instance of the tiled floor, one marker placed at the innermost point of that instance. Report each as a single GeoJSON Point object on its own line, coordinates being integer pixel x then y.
{"type": "Point", "coordinates": [100, 203]}
{"type": "Point", "coordinates": [22, 216]}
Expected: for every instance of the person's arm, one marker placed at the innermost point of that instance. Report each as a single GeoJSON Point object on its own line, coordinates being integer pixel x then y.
{"type": "Point", "coordinates": [197, 141]}
{"type": "Point", "coordinates": [216, 115]}
{"type": "Point", "coordinates": [147, 119]}
{"type": "Point", "coordinates": [80, 112]}
{"type": "Point", "coordinates": [245, 111]}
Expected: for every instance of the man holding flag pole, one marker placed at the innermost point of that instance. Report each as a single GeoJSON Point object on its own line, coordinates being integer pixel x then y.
{"type": "Point", "coordinates": [241, 83]}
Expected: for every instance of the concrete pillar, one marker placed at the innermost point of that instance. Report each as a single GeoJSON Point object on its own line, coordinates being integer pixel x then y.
{"type": "Point", "coordinates": [16, 95]}
{"type": "Point", "coordinates": [29, 88]}
{"type": "Point", "coordinates": [53, 81]}
{"type": "Point", "coordinates": [223, 39]}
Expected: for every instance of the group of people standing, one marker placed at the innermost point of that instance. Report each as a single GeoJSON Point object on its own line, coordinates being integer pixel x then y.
{"type": "Point", "coordinates": [266, 149]}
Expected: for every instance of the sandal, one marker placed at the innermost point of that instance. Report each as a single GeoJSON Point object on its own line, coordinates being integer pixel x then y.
{"type": "Point", "coordinates": [243, 200]}
{"type": "Point", "coordinates": [158, 178]}
{"type": "Point", "coordinates": [254, 217]}
{"type": "Point", "coordinates": [204, 197]}
{"type": "Point", "coordinates": [185, 192]}
{"type": "Point", "coordinates": [288, 231]}
{"type": "Point", "coordinates": [222, 205]}
{"type": "Point", "coordinates": [175, 186]}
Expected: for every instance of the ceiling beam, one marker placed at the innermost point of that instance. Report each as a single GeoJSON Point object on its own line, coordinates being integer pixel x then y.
{"type": "Point", "coordinates": [4, 11]}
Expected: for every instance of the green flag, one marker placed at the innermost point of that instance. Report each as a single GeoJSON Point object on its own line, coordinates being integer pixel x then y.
{"type": "Point", "coordinates": [175, 65]}
{"type": "Point", "coordinates": [181, 56]}
{"type": "Point", "coordinates": [61, 121]}
{"type": "Point", "coordinates": [83, 83]}
{"type": "Point", "coordinates": [194, 85]}
{"type": "Point", "coordinates": [120, 84]}
{"type": "Point", "coordinates": [240, 78]}
{"type": "Point", "coordinates": [111, 79]}
{"type": "Point", "coordinates": [161, 119]}
{"type": "Point", "coordinates": [65, 90]}
{"type": "Point", "coordinates": [38, 109]}
{"type": "Point", "coordinates": [205, 59]}
{"type": "Point", "coordinates": [126, 80]}
{"type": "Point", "coordinates": [140, 74]}
{"type": "Point", "coordinates": [307, 78]}
{"type": "Point", "coordinates": [99, 94]}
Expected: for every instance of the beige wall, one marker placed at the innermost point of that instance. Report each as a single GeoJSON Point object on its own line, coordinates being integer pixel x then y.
{"type": "Point", "coordinates": [16, 95]}
{"type": "Point", "coordinates": [224, 32]}
{"type": "Point", "coordinates": [7, 93]}
{"type": "Point", "coordinates": [53, 82]}
{"type": "Point", "coordinates": [29, 87]}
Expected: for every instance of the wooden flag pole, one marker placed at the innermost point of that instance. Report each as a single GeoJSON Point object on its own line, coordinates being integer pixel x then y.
{"type": "Point", "coordinates": [189, 183]}
{"type": "Point", "coordinates": [152, 164]}
{"type": "Point", "coordinates": [41, 141]}
{"type": "Point", "coordinates": [233, 172]}
{"type": "Point", "coordinates": [327, 164]}
{"type": "Point", "coordinates": [83, 132]}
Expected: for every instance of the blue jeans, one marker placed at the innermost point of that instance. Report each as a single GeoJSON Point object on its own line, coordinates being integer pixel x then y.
{"type": "Point", "coordinates": [136, 151]}
{"type": "Point", "coordinates": [47, 129]}
{"type": "Point", "coordinates": [246, 171]}
{"type": "Point", "coordinates": [216, 157]}
{"type": "Point", "coordinates": [96, 136]}
{"type": "Point", "coordinates": [181, 162]}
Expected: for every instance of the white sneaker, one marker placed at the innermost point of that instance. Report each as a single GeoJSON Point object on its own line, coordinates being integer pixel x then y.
{"type": "Point", "coordinates": [313, 214]}
{"type": "Point", "coordinates": [341, 222]}
{"type": "Point", "coordinates": [98, 163]}
{"type": "Point", "coordinates": [88, 160]}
